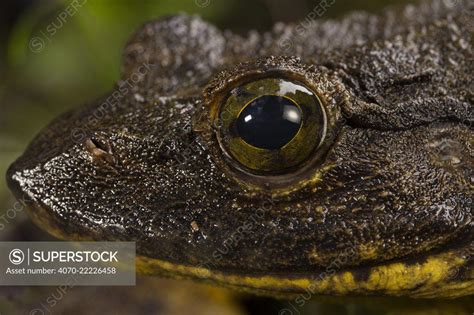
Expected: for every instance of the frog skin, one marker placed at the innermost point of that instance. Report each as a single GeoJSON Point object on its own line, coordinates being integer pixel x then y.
{"type": "Point", "coordinates": [386, 210]}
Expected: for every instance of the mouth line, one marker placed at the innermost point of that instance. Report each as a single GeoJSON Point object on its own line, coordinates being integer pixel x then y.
{"type": "Point", "coordinates": [433, 275]}
{"type": "Point", "coordinates": [444, 272]}
{"type": "Point", "coordinates": [440, 274]}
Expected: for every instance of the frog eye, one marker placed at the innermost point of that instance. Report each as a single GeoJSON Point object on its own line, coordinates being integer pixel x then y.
{"type": "Point", "coordinates": [271, 125]}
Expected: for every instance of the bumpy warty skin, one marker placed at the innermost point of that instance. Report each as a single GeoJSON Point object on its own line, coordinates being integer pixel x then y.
{"type": "Point", "coordinates": [395, 183]}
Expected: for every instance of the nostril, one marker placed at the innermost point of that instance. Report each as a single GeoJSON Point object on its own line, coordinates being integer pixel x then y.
{"type": "Point", "coordinates": [98, 143]}
{"type": "Point", "coordinates": [99, 150]}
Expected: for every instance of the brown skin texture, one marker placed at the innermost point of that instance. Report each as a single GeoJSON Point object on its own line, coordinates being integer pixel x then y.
{"type": "Point", "coordinates": [392, 182]}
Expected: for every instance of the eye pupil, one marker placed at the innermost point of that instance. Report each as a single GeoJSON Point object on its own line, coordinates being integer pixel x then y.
{"type": "Point", "coordinates": [269, 126]}
{"type": "Point", "coordinates": [269, 122]}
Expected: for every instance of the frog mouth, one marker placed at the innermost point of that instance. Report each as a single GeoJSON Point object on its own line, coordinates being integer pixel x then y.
{"type": "Point", "coordinates": [446, 274]}
{"type": "Point", "coordinates": [441, 274]}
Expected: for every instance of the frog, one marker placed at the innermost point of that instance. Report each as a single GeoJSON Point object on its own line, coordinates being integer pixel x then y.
{"type": "Point", "coordinates": [321, 158]}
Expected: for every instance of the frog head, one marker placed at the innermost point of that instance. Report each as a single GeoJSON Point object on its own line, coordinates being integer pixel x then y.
{"type": "Point", "coordinates": [332, 159]}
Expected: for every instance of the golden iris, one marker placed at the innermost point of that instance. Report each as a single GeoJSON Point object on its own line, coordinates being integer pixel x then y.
{"type": "Point", "coordinates": [270, 125]}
